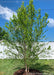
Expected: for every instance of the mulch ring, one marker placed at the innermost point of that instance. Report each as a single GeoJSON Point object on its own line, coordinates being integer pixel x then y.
{"type": "Point", "coordinates": [31, 72]}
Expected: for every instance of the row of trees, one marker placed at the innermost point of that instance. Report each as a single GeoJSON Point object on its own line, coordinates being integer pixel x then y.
{"type": "Point", "coordinates": [27, 30]}
{"type": "Point", "coordinates": [2, 33]}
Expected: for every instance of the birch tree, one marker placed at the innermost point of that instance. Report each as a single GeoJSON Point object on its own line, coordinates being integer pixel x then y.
{"type": "Point", "coordinates": [26, 29]}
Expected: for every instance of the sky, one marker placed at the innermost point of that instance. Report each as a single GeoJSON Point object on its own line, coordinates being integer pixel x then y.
{"type": "Point", "coordinates": [8, 7]}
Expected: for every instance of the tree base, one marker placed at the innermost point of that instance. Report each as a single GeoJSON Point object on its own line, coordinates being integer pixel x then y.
{"type": "Point", "coordinates": [31, 72]}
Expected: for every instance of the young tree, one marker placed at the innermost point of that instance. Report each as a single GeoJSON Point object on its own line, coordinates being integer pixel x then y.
{"type": "Point", "coordinates": [27, 29]}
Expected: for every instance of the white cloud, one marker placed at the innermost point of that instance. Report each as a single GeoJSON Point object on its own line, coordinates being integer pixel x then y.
{"type": "Point", "coordinates": [6, 13]}
{"type": "Point", "coordinates": [51, 22]}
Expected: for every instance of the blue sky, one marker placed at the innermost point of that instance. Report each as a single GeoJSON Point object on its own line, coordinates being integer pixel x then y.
{"type": "Point", "coordinates": [7, 7]}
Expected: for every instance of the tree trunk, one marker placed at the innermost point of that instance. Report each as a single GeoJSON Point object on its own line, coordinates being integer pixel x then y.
{"type": "Point", "coordinates": [25, 68]}
{"type": "Point", "coordinates": [28, 69]}
{"type": "Point", "coordinates": [25, 57]}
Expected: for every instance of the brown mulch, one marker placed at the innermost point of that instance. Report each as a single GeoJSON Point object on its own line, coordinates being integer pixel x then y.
{"type": "Point", "coordinates": [31, 72]}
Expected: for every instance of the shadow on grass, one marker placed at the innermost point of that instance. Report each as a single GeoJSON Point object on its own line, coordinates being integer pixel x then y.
{"type": "Point", "coordinates": [38, 66]}
{"type": "Point", "coordinates": [41, 67]}
{"type": "Point", "coordinates": [17, 68]}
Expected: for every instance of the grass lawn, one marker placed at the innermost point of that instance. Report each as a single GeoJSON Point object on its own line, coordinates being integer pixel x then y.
{"type": "Point", "coordinates": [9, 66]}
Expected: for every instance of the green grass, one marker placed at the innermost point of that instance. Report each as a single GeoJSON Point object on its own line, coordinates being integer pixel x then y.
{"type": "Point", "coordinates": [9, 66]}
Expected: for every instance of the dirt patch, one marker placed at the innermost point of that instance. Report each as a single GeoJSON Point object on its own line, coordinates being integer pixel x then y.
{"type": "Point", "coordinates": [19, 72]}
{"type": "Point", "coordinates": [1, 73]}
{"type": "Point", "coordinates": [31, 72]}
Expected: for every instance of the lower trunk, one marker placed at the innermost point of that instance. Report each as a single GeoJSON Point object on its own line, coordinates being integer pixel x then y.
{"type": "Point", "coordinates": [28, 69]}
{"type": "Point", "coordinates": [25, 57]}
{"type": "Point", "coordinates": [25, 68]}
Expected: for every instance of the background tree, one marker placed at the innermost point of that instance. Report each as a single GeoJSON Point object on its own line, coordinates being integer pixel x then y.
{"type": "Point", "coordinates": [2, 33]}
{"type": "Point", "coordinates": [27, 30]}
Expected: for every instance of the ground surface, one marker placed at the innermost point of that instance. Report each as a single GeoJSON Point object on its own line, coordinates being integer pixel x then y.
{"type": "Point", "coordinates": [31, 72]}
{"type": "Point", "coordinates": [8, 67]}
